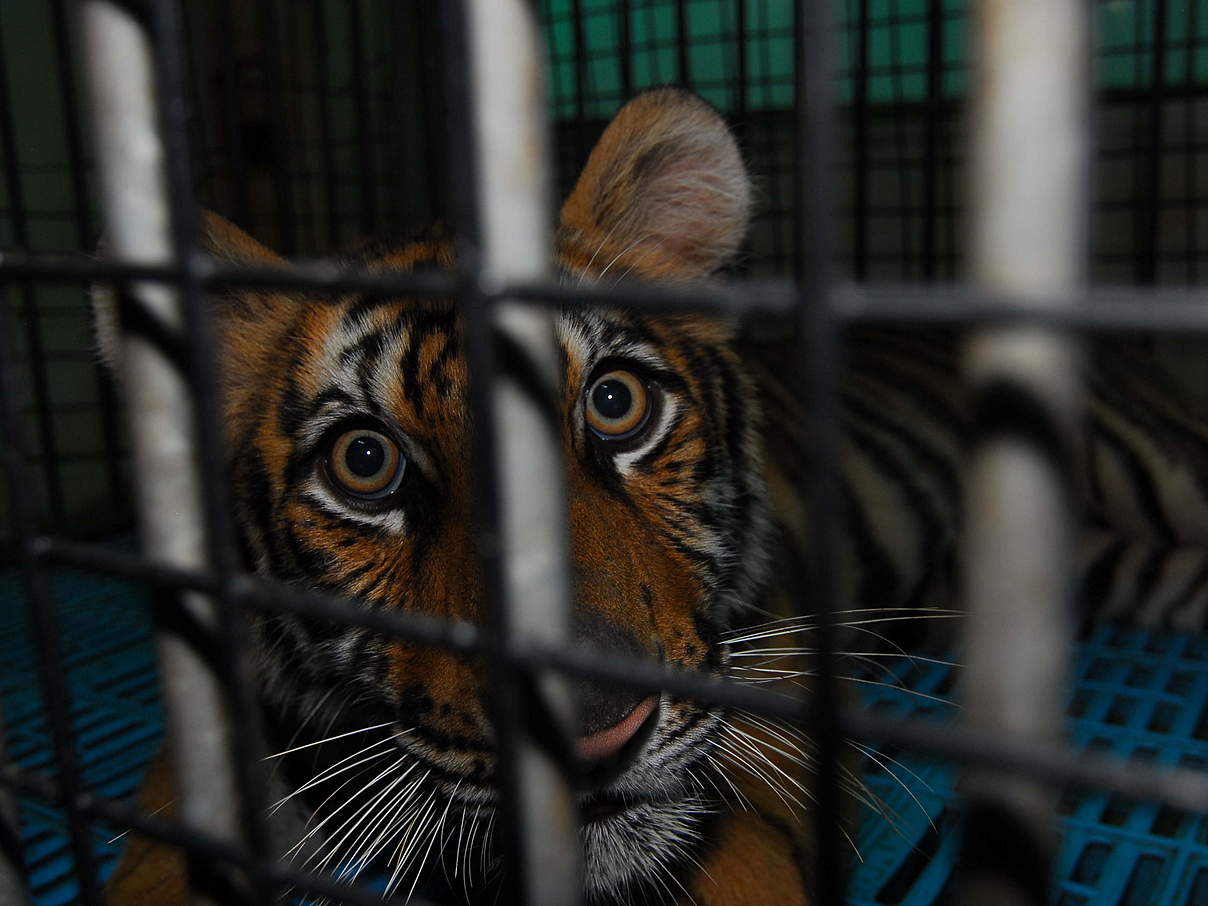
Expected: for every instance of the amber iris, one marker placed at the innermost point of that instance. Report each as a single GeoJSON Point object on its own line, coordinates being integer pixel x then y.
{"type": "Point", "coordinates": [365, 463]}
{"type": "Point", "coordinates": [618, 405]}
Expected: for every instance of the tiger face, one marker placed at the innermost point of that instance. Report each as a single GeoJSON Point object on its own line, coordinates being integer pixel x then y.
{"type": "Point", "coordinates": [349, 435]}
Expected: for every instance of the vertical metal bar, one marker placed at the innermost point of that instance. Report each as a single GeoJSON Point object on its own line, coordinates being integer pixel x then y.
{"type": "Point", "coordinates": [12, 874]}
{"type": "Point", "coordinates": [283, 186]}
{"type": "Point", "coordinates": [625, 46]}
{"type": "Point", "coordinates": [528, 531]}
{"type": "Point", "coordinates": [860, 140]}
{"type": "Point", "coordinates": [86, 236]}
{"type": "Point", "coordinates": [743, 67]}
{"type": "Point", "coordinates": [435, 99]}
{"type": "Point", "coordinates": [300, 73]}
{"type": "Point", "coordinates": [1151, 197]}
{"type": "Point", "coordinates": [35, 359]}
{"type": "Point", "coordinates": [326, 155]}
{"type": "Point", "coordinates": [232, 126]}
{"type": "Point", "coordinates": [814, 99]}
{"type": "Point", "coordinates": [1190, 119]}
{"type": "Point", "coordinates": [402, 123]}
{"type": "Point", "coordinates": [1030, 127]}
{"type": "Point", "coordinates": [900, 143]}
{"type": "Point", "coordinates": [364, 124]}
{"type": "Point", "coordinates": [181, 506]}
{"type": "Point", "coordinates": [931, 138]}
{"type": "Point", "coordinates": [232, 662]}
{"type": "Point", "coordinates": [683, 64]}
{"type": "Point", "coordinates": [581, 136]}
{"type": "Point", "coordinates": [41, 622]}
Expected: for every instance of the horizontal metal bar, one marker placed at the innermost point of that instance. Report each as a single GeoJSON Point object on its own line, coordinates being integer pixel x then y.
{"type": "Point", "coordinates": [456, 636]}
{"type": "Point", "coordinates": [1096, 308]}
{"type": "Point", "coordinates": [207, 846]}
{"type": "Point", "coordinates": [1178, 788]}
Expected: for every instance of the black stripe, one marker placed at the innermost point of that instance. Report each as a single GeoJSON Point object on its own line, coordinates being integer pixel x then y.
{"type": "Point", "coordinates": [875, 567]}
{"type": "Point", "coordinates": [1006, 409]}
{"type": "Point", "coordinates": [1098, 579]}
{"type": "Point", "coordinates": [931, 530]}
{"type": "Point", "coordinates": [1141, 480]}
{"type": "Point", "coordinates": [1196, 584]}
{"type": "Point", "coordinates": [940, 466]}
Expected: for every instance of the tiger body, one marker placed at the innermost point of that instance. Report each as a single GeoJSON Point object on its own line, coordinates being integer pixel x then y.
{"type": "Point", "coordinates": [679, 525]}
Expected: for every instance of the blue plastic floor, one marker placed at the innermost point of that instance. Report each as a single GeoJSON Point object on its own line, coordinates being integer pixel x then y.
{"type": "Point", "coordinates": [105, 624]}
{"type": "Point", "coordinates": [1137, 693]}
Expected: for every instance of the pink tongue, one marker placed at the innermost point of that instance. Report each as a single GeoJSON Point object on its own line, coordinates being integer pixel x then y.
{"type": "Point", "coordinates": [608, 742]}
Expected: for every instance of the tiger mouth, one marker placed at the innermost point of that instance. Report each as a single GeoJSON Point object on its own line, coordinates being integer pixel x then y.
{"type": "Point", "coordinates": [601, 806]}
{"type": "Point", "coordinates": [600, 772]}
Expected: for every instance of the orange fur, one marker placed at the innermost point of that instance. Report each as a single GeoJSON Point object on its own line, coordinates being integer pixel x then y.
{"type": "Point", "coordinates": [664, 197]}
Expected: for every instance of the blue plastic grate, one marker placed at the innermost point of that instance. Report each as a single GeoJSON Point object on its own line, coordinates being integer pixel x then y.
{"type": "Point", "coordinates": [1137, 694]}
{"type": "Point", "coordinates": [1140, 694]}
{"type": "Point", "coordinates": [105, 624]}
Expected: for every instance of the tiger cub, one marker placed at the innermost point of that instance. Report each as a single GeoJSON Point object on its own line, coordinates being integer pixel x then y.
{"type": "Point", "coordinates": [348, 437]}
{"type": "Point", "coordinates": [348, 443]}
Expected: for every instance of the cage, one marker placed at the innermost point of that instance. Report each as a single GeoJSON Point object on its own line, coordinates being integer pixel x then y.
{"type": "Point", "coordinates": [316, 125]}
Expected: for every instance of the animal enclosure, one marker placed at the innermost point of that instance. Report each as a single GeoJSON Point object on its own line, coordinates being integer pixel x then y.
{"type": "Point", "coordinates": [319, 126]}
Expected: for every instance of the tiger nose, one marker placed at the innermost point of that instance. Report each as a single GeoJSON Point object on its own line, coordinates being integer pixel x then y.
{"type": "Point", "coordinates": [608, 716]}
{"type": "Point", "coordinates": [606, 743]}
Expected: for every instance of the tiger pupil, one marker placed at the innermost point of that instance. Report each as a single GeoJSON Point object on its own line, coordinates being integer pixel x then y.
{"type": "Point", "coordinates": [364, 457]}
{"type": "Point", "coordinates": [612, 399]}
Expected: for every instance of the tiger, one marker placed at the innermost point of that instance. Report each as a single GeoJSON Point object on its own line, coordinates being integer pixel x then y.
{"type": "Point", "coordinates": [350, 471]}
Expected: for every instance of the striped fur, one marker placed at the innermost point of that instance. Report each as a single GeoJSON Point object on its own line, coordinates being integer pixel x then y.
{"type": "Point", "coordinates": [388, 755]}
{"type": "Point", "coordinates": [676, 534]}
{"type": "Point", "coordinates": [1140, 468]}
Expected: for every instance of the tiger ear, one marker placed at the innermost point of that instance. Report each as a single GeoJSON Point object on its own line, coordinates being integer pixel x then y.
{"type": "Point", "coordinates": [222, 240]}
{"type": "Point", "coordinates": [664, 193]}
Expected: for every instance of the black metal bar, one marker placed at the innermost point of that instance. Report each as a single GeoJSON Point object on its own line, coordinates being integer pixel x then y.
{"type": "Point", "coordinates": [931, 137]}
{"type": "Point", "coordinates": [364, 123]}
{"type": "Point", "coordinates": [283, 187]}
{"type": "Point", "coordinates": [742, 66]}
{"type": "Point", "coordinates": [14, 872]}
{"type": "Point", "coordinates": [1098, 308]}
{"type": "Point", "coordinates": [35, 364]}
{"type": "Point", "coordinates": [326, 155]}
{"type": "Point", "coordinates": [77, 170]}
{"type": "Point", "coordinates": [40, 619]}
{"type": "Point", "coordinates": [813, 96]}
{"type": "Point", "coordinates": [582, 138]}
{"type": "Point", "coordinates": [435, 104]}
{"type": "Point", "coordinates": [308, 223]}
{"type": "Point", "coordinates": [779, 254]}
{"type": "Point", "coordinates": [231, 108]}
{"type": "Point", "coordinates": [1149, 223]}
{"type": "Point", "coordinates": [86, 236]}
{"type": "Point", "coordinates": [860, 140]}
{"type": "Point", "coordinates": [625, 46]}
{"type": "Point", "coordinates": [503, 704]}
{"type": "Point", "coordinates": [1186, 790]}
{"type": "Point", "coordinates": [683, 63]}
{"type": "Point", "coordinates": [234, 663]}
{"type": "Point", "coordinates": [902, 163]}
{"type": "Point", "coordinates": [1189, 156]}
{"type": "Point", "coordinates": [401, 161]}
{"type": "Point", "coordinates": [199, 137]}
{"type": "Point", "coordinates": [206, 846]}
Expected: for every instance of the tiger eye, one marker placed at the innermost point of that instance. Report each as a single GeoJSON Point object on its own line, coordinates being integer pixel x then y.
{"type": "Point", "coordinates": [618, 405]}
{"type": "Point", "coordinates": [365, 463]}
